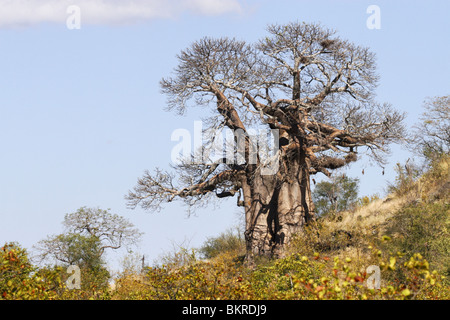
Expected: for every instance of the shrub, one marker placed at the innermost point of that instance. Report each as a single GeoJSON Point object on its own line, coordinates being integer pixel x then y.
{"type": "Point", "coordinates": [405, 180]}
{"type": "Point", "coordinates": [19, 279]}
{"type": "Point", "coordinates": [366, 200]}
{"type": "Point", "coordinates": [337, 195]}
{"type": "Point", "coordinates": [423, 229]}
{"type": "Point", "coordinates": [229, 241]}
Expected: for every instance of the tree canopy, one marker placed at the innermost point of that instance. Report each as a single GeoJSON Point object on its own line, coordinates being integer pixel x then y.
{"type": "Point", "coordinates": [335, 195]}
{"type": "Point", "coordinates": [431, 136]}
{"type": "Point", "coordinates": [88, 233]}
{"type": "Point", "coordinates": [313, 88]}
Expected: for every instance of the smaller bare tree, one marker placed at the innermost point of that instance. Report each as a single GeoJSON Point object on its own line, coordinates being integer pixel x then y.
{"type": "Point", "coordinates": [112, 230]}
{"type": "Point", "coordinates": [431, 136]}
{"type": "Point", "coordinates": [89, 232]}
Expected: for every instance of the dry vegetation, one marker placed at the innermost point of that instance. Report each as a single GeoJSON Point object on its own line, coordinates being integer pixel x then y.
{"type": "Point", "coordinates": [405, 234]}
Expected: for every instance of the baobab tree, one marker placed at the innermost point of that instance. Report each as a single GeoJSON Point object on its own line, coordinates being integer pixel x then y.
{"type": "Point", "coordinates": [313, 88]}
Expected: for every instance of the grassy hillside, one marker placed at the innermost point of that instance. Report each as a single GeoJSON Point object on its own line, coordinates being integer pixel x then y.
{"type": "Point", "coordinates": [406, 235]}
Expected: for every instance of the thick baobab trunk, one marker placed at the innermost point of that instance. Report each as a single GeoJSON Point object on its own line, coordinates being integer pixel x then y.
{"type": "Point", "coordinates": [276, 210]}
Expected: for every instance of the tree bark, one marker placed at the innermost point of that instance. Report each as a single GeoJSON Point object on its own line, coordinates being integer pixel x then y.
{"type": "Point", "coordinates": [276, 208]}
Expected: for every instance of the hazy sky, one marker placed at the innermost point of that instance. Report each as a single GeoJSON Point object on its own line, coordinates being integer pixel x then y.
{"type": "Point", "coordinates": [82, 116]}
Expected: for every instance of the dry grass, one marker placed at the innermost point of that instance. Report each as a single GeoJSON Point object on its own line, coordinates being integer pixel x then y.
{"type": "Point", "coordinates": [368, 223]}
{"type": "Point", "coordinates": [432, 186]}
{"type": "Point", "coordinates": [370, 217]}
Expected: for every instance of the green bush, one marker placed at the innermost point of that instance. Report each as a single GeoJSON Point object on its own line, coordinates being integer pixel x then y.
{"type": "Point", "coordinates": [338, 194]}
{"type": "Point", "coordinates": [231, 240]}
{"type": "Point", "coordinates": [19, 279]}
{"type": "Point", "coordinates": [424, 229]}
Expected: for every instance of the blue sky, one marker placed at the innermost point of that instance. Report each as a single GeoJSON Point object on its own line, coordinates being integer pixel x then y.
{"type": "Point", "coordinates": [82, 116]}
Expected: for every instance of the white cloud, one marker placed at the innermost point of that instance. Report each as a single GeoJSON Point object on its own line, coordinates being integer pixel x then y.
{"type": "Point", "coordinates": [213, 7]}
{"type": "Point", "coordinates": [29, 12]}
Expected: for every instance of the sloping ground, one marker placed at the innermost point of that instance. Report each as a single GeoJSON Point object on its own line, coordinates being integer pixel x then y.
{"type": "Point", "coordinates": [371, 218]}
{"type": "Point", "coordinates": [414, 218]}
{"type": "Point", "coordinates": [406, 235]}
{"type": "Point", "coordinates": [374, 218]}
